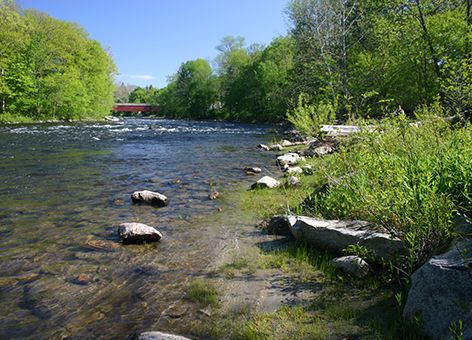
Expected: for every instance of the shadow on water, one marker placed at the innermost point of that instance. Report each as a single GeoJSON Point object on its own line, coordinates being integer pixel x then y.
{"type": "Point", "coordinates": [64, 189]}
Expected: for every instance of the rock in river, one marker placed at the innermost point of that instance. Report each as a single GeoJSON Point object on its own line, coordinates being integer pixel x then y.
{"type": "Point", "coordinates": [266, 182]}
{"type": "Point", "coordinates": [149, 197]}
{"type": "Point", "coordinates": [138, 233]}
{"type": "Point", "coordinates": [253, 169]}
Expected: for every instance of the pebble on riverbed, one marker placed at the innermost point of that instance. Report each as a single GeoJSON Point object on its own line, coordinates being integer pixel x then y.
{"type": "Point", "coordinates": [214, 195]}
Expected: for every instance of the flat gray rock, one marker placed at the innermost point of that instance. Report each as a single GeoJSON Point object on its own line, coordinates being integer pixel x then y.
{"type": "Point", "coordinates": [441, 292]}
{"type": "Point", "coordinates": [336, 235]}
{"type": "Point", "coordinates": [138, 233]}
{"type": "Point", "coordinates": [150, 197]}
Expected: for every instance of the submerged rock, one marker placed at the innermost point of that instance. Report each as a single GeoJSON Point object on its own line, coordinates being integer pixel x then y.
{"type": "Point", "coordinates": [351, 264]}
{"type": "Point", "coordinates": [441, 292]}
{"type": "Point", "coordinates": [138, 233]}
{"type": "Point", "coordinates": [150, 197]}
{"type": "Point", "coordinates": [160, 336]}
{"type": "Point", "coordinates": [336, 235]}
{"type": "Point", "coordinates": [266, 182]}
{"type": "Point", "coordinates": [253, 169]}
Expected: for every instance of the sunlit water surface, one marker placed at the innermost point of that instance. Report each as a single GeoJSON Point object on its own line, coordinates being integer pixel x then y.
{"type": "Point", "coordinates": [63, 190]}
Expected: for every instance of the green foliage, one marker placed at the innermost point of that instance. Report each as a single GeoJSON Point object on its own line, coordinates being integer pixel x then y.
{"type": "Point", "coordinates": [308, 118]}
{"type": "Point", "coordinates": [50, 68]}
{"type": "Point", "coordinates": [203, 292]}
{"type": "Point", "coordinates": [409, 178]}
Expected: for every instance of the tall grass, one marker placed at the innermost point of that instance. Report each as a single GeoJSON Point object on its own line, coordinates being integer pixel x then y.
{"type": "Point", "coordinates": [409, 178]}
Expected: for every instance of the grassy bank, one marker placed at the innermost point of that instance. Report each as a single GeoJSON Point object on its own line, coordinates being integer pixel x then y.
{"type": "Point", "coordinates": [409, 176]}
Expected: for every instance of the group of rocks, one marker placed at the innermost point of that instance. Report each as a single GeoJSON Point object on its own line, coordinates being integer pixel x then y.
{"type": "Point", "coordinates": [139, 232]}
{"type": "Point", "coordinates": [441, 290]}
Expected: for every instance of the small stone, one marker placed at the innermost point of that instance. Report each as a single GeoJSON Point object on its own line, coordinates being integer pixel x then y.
{"type": "Point", "coordinates": [250, 173]}
{"type": "Point", "coordinates": [307, 169]}
{"type": "Point", "coordinates": [293, 181]}
{"type": "Point", "coordinates": [253, 169]}
{"type": "Point", "coordinates": [266, 182]}
{"type": "Point", "coordinates": [205, 312]}
{"type": "Point", "coordinates": [286, 143]}
{"type": "Point", "coordinates": [276, 147]}
{"type": "Point", "coordinates": [352, 265]}
{"type": "Point", "coordinates": [214, 195]}
{"type": "Point", "coordinates": [288, 159]}
{"type": "Point", "coordinates": [263, 147]}
{"type": "Point", "coordinates": [138, 233]}
{"type": "Point", "coordinates": [295, 170]}
{"type": "Point", "coordinates": [83, 279]}
{"type": "Point", "coordinates": [149, 197]}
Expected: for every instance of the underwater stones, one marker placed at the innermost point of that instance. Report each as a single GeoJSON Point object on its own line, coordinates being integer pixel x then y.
{"type": "Point", "coordinates": [138, 233]}
{"type": "Point", "coordinates": [149, 197]}
{"type": "Point", "coordinates": [266, 182]}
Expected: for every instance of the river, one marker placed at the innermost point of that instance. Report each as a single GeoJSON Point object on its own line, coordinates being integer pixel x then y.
{"type": "Point", "coordinates": [65, 187]}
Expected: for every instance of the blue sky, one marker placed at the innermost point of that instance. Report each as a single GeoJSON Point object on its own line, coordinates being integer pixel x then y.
{"type": "Point", "coordinates": [149, 39]}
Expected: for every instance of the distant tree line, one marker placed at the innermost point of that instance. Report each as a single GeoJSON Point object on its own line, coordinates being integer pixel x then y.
{"type": "Point", "coordinates": [50, 69]}
{"type": "Point", "coordinates": [356, 58]}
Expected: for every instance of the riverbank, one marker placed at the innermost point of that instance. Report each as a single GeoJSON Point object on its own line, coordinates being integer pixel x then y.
{"type": "Point", "coordinates": [273, 287]}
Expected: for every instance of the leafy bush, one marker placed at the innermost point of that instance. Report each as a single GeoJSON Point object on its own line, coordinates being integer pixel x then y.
{"type": "Point", "coordinates": [308, 118]}
{"type": "Point", "coordinates": [409, 178]}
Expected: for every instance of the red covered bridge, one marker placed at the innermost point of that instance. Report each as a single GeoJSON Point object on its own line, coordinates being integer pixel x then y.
{"type": "Point", "coordinates": [132, 107]}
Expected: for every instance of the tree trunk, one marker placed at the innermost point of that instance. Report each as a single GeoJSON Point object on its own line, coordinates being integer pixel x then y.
{"type": "Point", "coordinates": [428, 38]}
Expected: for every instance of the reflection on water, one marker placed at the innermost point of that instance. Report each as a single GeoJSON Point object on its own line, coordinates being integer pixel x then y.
{"type": "Point", "coordinates": [64, 188]}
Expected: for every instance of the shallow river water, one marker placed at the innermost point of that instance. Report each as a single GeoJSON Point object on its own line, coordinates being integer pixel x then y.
{"type": "Point", "coordinates": [63, 190]}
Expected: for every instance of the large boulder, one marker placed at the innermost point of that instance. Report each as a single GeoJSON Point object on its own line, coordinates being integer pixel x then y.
{"type": "Point", "coordinates": [160, 336]}
{"type": "Point", "coordinates": [138, 233]}
{"type": "Point", "coordinates": [288, 159]}
{"type": "Point", "coordinates": [336, 235]}
{"type": "Point", "coordinates": [320, 148]}
{"type": "Point", "coordinates": [150, 197]}
{"type": "Point", "coordinates": [266, 182]}
{"type": "Point", "coordinates": [441, 292]}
